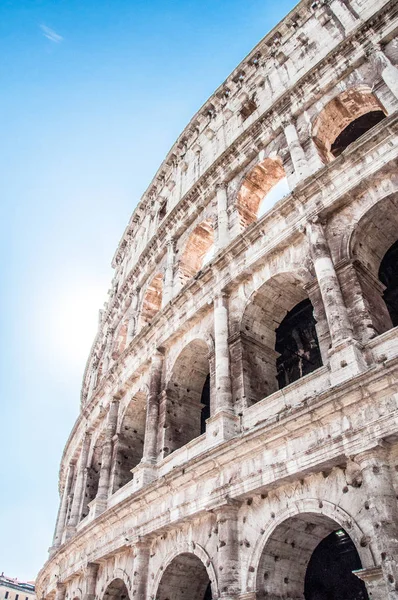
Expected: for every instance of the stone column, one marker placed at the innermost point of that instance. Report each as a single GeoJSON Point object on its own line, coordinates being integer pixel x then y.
{"type": "Point", "coordinates": [106, 458]}
{"type": "Point", "coordinates": [388, 71]}
{"type": "Point", "coordinates": [91, 573]}
{"type": "Point", "coordinates": [140, 569]}
{"type": "Point", "coordinates": [152, 413]}
{"type": "Point", "coordinates": [222, 216]}
{"type": "Point", "coordinates": [223, 375]}
{"type": "Point", "coordinates": [228, 550]}
{"type": "Point", "coordinates": [336, 311]}
{"type": "Point", "coordinates": [169, 273]}
{"type": "Point", "coordinates": [76, 508]}
{"type": "Point", "coordinates": [60, 591]}
{"type": "Point", "coordinates": [63, 508]}
{"type": "Point", "coordinates": [382, 505]}
{"type": "Point", "coordinates": [297, 154]}
{"type": "Point", "coordinates": [132, 314]}
{"type": "Point", "coordinates": [346, 357]}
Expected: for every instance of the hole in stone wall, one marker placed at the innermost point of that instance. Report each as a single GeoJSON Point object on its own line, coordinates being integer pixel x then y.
{"type": "Point", "coordinates": [388, 275]}
{"type": "Point", "coordinates": [297, 343]}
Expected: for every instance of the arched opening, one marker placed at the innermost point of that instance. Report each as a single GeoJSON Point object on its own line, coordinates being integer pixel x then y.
{"type": "Point", "coordinates": [374, 248]}
{"type": "Point", "coordinates": [263, 185]}
{"type": "Point", "coordinates": [120, 341]}
{"type": "Point", "coordinates": [197, 252]}
{"type": "Point", "coordinates": [279, 342]}
{"type": "Point", "coordinates": [92, 476]}
{"type": "Point", "coordinates": [188, 396]}
{"type": "Point", "coordinates": [388, 275]}
{"type": "Point", "coordinates": [310, 556]}
{"type": "Point", "coordinates": [152, 300]}
{"type": "Point", "coordinates": [345, 119]}
{"type": "Point", "coordinates": [116, 590]}
{"type": "Point", "coordinates": [185, 578]}
{"type": "Point", "coordinates": [129, 446]}
{"type": "Point", "coordinates": [297, 343]}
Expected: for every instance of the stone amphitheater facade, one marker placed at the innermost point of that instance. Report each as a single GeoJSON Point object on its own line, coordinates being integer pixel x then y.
{"type": "Point", "coordinates": [238, 432]}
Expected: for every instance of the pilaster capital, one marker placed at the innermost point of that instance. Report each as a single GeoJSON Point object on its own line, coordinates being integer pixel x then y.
{"type": "Point", "coordinates": [221, 185]}
{"type": "Point", "coordinates": [226, 508]}
{"type": "Point", "coordinates": [373, 456]}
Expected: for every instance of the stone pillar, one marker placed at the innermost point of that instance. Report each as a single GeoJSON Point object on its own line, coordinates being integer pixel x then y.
{"type": "Point", "coordinates": [346, 357]}
{"type": "Point", "coordinates": [297, 154]}
{"type": "Point", "coordinates": [374, 581]}
{"type": "Point", "coordinates": [76, 508]}
{"type": "Point", "coordinates": [152, 413]}
{"type": "Point", "coordinates": [63, 508]}
{"type": "Point", "coordinates": [382, 505]}
{"type": "Point", "coordinates": [140, 569]}
{"type": "Point", "coordinates": [60, 591]}
{"type": "Point", "coordinates": [223, 375]}
{"type": "Point", "coordinates": [106, 458]}
{"type": "Point", "coordinates": [228, 550]}
{"type": "Point", "coordinates": [222, 216]}
{"type": "Point", "coordinates": [132, 316]}
{"type": "Point", "coordinates": [91, 573]}
{"type": "Point", "coordinates": [169, 273]}
{"type": "Point", "coordinates": [388, 71]}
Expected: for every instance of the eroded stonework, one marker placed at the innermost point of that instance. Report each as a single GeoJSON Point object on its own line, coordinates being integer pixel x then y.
{"type": "Point", "coordinates": [238, 433]}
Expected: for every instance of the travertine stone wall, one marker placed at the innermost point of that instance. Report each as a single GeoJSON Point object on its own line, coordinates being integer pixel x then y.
{"type": "Point", "coordinates": [250, 214]}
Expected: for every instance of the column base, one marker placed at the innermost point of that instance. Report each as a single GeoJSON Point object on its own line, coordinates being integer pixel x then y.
{"type": "Point", "coordinates": [143, 474]}
{"type": "Point", "coordinates": [374, 581]}
{"type": "Point", "coordinates": [221, 427]}
{"type": "Point", "coordinates": [346, 361]}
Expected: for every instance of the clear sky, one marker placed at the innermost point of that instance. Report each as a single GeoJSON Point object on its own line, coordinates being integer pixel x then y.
{"type": "Point", "coordinates": [92, 95]}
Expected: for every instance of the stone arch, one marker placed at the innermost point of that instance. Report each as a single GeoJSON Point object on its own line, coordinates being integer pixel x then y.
{"type": "Point", "coordinates": [92, 473]}
{"type": "Point", "coordinates": [185, 389]}
{"type": "Point", "coordinates": [196, 250]}
{"type": "Point", "coordinates": [118, 588]}
{"type": "Point", "coordinates": [375, 232]}
{"type": "Point", "coordinates": [152, 299]}
{"type": "Point", "coordinates": [342, 120]}
{"type": "Point", "coordinates": [266, 311]}
{"type": "Point", "coordinates": [199, 558]}
{"type": "Point", "coordinates": [256, 184]}
{"type": "Point", "coordinates": [129, 445]}
{"type": "Point", "coordinates": [281, 555]}
{"type": "Point", "coordinates": [120, 341]}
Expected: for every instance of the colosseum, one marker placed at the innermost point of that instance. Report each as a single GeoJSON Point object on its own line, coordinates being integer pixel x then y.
{"type": "Point", "coordinates": [238, 431]}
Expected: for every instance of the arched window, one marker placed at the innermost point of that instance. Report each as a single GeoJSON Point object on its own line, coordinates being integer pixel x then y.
{"type": "Point", "coordinates": [197, 252]}
{"type": "Point", "coordinates": [185, 578]}
{"type": "Point", "coordinates": [92, 476]}
{"type": "Point", "coordinates": [152, 300]}
{"type": "Point", "coordinates": [278, 337]}
{"type": "Point", "coordinates": [345, 119]}
{"type": "Point", "coordinates": [263, 185]}
{"type": "Point", "coordinates": [188, 396]}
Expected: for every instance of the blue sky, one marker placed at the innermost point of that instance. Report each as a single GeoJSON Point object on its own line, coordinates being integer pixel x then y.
{"type": "Point", "coordinates": [93, 94]}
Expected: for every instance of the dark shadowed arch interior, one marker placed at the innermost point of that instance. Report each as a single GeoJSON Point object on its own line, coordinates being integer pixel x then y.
{"type": "Point", "coordinates": [258, 182]}
{"type": "Point", "coordinates": [116, 590]}
{"type": "Point", "coordinates": [129, 446]}
{"type": "Point", "coordinates": [329, 574]}
{"type": "Point", "coordinates": [278, 341]}
{"type": "Point", "coordinates": [185, 578]}
{"type": "Point", "coordinates": [287, 569]}
{"type": "Point", "coordinates": [344, 119]}
{"type": "Point", "coordinates": [188, 396]}
{"type": "Point", "coordinates": [373, 246]}
{"type": "Point", "coordinates": [388, 275]}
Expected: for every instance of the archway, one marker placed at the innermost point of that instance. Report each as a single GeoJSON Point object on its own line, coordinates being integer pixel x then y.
{"type": "Point", "coordinates": [344, 119]}
{"type": "Point", "coordinates": [373, 246]}
{"type": "Point", "coordinates": [129, 446]}
{"type": "Point", "coordinates": [92, 476]}
{"type": "Point", "coordinates": [310, 556]}
{"type": "Point", "coordinates": [121, 340]}
{"type": "Point", "coordinates": [188, 396]}
{"type": "Point", "coordinates": [278, 337]}
{"type": "Point", "coordinates": [152, 300]}
{"type": "Point", "coordinates": [116, 590]}
{"type": "Point", "coordinates": [185, 578]}
{"type": "Point", "coordinates": [197, 251]}
{"type": "Point", "coordinates": [266, 180]}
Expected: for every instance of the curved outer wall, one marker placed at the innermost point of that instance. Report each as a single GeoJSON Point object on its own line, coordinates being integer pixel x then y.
{"type": "Point", "coordinates": [154, 497]}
